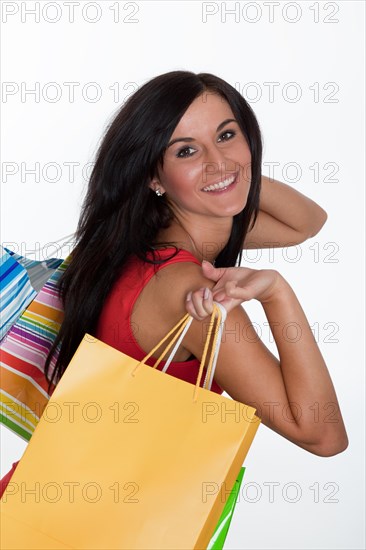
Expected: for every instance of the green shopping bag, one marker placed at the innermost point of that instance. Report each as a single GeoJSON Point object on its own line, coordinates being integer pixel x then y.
{"type": "Point", "coordinates": [218, 538]}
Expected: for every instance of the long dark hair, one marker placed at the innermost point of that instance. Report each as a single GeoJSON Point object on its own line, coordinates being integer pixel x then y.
{"type": "Point", "coordinates": [121, 215]}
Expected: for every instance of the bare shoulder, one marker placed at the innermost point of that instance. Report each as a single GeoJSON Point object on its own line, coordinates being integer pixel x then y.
{"type": "Point", "coordinates": [161, 303]}
{"type": "Point", "coordinates": [171, 285]}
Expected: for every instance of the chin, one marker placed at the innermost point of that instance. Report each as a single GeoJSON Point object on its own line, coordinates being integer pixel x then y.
{"type": "Point", "coordinates": [235, 210]}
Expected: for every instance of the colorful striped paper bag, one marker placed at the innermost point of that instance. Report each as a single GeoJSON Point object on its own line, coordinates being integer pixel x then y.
{"type": "Point", "coordinates": [20, 280]}
{"type": "Point", "coordinates": [23, 352]}
{"type": "Point", "coordinates": [16, 291]}
{"type": "Point", "coordinates": [39, 271]}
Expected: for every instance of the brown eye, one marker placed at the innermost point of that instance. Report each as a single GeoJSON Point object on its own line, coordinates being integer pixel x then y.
{"type": "Point", "coordinates": [184, 152]}
{"type": "Point", "coordinates": [229, 134]}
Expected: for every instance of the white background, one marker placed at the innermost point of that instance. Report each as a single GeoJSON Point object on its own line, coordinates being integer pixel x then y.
{"type": "Point", "coordinates": [313, 49]}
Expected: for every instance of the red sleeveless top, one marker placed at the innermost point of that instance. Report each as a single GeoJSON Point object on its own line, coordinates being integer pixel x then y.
{"type": "Point", "coordinates": [114, 325]}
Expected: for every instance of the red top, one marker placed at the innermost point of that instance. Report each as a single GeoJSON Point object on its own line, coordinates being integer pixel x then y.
{"type": "Point", "coordinates": [114, 326]}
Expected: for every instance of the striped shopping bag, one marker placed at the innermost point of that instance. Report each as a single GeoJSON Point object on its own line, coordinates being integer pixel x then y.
{"type": "Point", "coordinates": [16, 291]}
{"type": "Point", "coordinates": [20, 280]}
{"type": "Point", "coordinates": [23, 352]}
{"type": "Point", "coordinates": [39, 271]}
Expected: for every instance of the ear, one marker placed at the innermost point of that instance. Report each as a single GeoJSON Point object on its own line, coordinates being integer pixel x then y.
{"type": "Point", "coordinates": [155, 184]}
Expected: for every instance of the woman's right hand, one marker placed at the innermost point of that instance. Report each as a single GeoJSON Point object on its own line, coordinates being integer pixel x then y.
{"type": "Point", "coordinates": [234, 285]}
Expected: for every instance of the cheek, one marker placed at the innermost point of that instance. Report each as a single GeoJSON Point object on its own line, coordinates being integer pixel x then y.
{"type": "Point", "coordinates": [246, 165]}
{"type": "Point", "coordinates": [245, 152]}
{"type": "Point", "coordinates": [247, 172]}
{"type": "Point", "coordinates": [179, 178]}
{"type": "Point", "coordinates": [192, 172]}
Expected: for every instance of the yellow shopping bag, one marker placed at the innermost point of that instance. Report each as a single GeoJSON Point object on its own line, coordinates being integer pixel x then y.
{"type": "Point", "coordinates": [128, 457]}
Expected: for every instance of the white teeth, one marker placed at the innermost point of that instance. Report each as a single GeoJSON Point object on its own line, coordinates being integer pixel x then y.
{"type": "Point", "coordinates": [221, 185]}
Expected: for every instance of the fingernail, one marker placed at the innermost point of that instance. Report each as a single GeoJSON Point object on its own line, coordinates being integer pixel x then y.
{"type": "Point", "coordinates": [206, 293]}
{"type": "Point", "coordinates": [189, 296]}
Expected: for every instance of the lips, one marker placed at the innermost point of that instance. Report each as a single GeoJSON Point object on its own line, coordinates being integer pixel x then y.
{"type": "Point", "coordinates": [220, 185]}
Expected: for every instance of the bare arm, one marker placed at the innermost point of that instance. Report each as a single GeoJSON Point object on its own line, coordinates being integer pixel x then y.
{"type": "Point", "coordinates": [294, 394]}
{"type": "Point", "coordinates": [286, 217]}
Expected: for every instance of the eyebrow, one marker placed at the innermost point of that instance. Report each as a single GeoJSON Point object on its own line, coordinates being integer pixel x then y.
{"type": "Point", "coordinates": [189, 139]}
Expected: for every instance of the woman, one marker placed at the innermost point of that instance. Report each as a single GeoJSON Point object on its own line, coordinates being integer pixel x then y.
{"type": "Point", "coordinates": [177, 181]}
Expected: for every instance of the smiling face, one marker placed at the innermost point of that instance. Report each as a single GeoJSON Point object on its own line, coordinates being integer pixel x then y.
{"type": "Point", "coordinates": [207, 168]}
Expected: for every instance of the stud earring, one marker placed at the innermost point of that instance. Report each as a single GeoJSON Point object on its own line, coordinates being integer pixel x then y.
{"type": "Point", "coordinates": [158, 192]}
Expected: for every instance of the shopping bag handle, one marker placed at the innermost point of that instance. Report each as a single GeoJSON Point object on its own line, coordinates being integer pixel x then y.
{"type": "Point", "coordinates": [208, 379]}
{"type": "Point", "coordinates": [63, 241]}
{"type": "Point", "coordinates": [218, 318]}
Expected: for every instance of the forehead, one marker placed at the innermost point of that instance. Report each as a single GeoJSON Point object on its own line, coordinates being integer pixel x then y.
{"type": "Point", "coordinates": [206, 111]}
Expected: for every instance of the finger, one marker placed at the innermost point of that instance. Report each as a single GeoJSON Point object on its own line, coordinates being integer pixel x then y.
{"type": "Point", "coordinates": [243, 293]}
{"type": "Point", "coordinates": [203, 302]}
{"type": "Point", "coordinates": [228, 303]}
{"type": "Point", "coordinates": [208, 301]}
{"type": "Point", "coordinates": [219, 296]}
{"type": "Point", "coordinates": [223, 292]}
{"type": "Point", "coordinates": [233, 292]}
{"type": "Point", "coordinates": [200, 303]}
{"type": "Point", "coordinates": [211, 272]}
{"type": "Point", "coordinates": [191, 310]}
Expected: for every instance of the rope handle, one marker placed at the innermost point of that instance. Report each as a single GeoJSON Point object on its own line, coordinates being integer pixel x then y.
{"type": "Point", "coordinates": [216, 347]}
{"type": "Point", "coordinates": [217, 312]}
{"type": "Point", "coordinates": [63, 240]}
{"type": "Point", "coordinates": [180, 326]}
{"type": "Point", "coordinates": [217, 319]}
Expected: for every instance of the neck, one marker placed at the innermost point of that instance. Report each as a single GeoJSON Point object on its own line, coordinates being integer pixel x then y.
{"type": "Point", "coordinates": [204, 240]}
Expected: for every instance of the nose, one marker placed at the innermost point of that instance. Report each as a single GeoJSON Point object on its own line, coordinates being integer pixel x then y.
{"type": "Point", "coordinates": [216, 164]}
